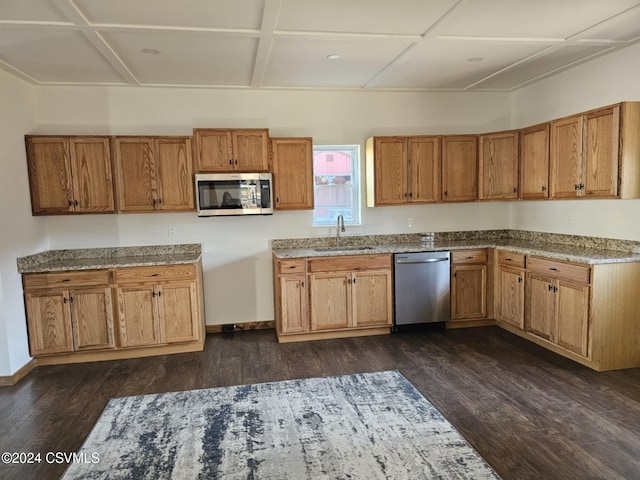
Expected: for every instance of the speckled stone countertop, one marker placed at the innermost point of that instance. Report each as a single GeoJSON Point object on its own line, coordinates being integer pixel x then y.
{"type": "Point", "coordinates": [115, 257]}
{"type": "Point", "coordinates": [590, 250]}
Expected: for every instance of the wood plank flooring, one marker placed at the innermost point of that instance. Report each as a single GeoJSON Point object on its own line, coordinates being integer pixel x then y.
{"type": "Point", "coordinates": [530, 413]}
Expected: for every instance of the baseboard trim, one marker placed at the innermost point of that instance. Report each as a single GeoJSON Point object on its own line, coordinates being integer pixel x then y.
{"type": "Point", "coordinates": [19, 375]}
{"type": "Point", "coordinates": [269, 324]}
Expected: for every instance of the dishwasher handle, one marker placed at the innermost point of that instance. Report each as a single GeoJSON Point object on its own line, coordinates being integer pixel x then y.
{"type": "Point", "coordinates": [424, 260]}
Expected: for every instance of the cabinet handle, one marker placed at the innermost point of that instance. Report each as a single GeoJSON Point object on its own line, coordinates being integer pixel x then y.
{"type": "Point", "coordinates": [519, 279]}
{"type": "Point", "coordinates": [65, 299]}
{"type": "Point", "coordinates": [154, 202]}
{"type": "Point", "coordinates": [470, 257]}
{"type": "Point", "coordinates": [160, 293]}
{"type": "Point", "coordinates": [410, 194]}
{"type": "Point", "coordinates": [230, 161]}
{"type": "Point", "coordinates": [576, 186]}
{"type": "Point", "coordinates": [508, 259]}
{"type": "Point", "coordinates": [555, 289]}
{"type": "Point", "coordinates": [446, 192]}
{"type": "Point", "coordinates": [550, 287]}
{"type": "Point", "coordinates": [66, 280]}
{"type": "Point", "coordinates": [277, 199]}
{"type": "Point", "coordinates": [292, 266]}
{"type": "Point", "coordinates": [553, 268]}
{"type": "Point", "coordinates": [154, 274]}
{"type": "Point", "coordinates": [455, 275]}
{"type": "Point", "coordinates": [349, 281]}
{"type": "Point", "coordinates": [515, 189]}
{"type": "Point", "coordinates": [235, 162]}
{"type": "Point", "coordinates": [581, 187]}
{"type": "Point", "coordinates": [71, 299]}
{"type": "Point", "coordinates": [153, 294]}
{"type": "Point", "coordinates": [159, 201]}
{"type": "Point", "coordinates": [543, 188]}
{"type": "Point", "coordinates": [71, 203]}
{"type": "Point", "coordinates": [354, 280]}
{"type": "Point", "coordinates": [302, 284]}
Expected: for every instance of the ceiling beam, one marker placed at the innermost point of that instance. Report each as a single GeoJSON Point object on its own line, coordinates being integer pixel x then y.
{"type": "Point", "coordinates": [269, 22]}
{"type": "Point", "coordinates": [73, 14]}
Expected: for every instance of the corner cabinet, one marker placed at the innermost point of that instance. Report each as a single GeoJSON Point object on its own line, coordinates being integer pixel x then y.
{"type": "Point", "coordinates": [108, 314]}
{"type": "Point", "coordinates": [402, 170]}
{"type": "Point", "coordinates": [459, 168]}
{"type": "Point", "coordinates": [510, 288]}
{"type": "Point", "coordinates": [292, 168]}
{"type": "Point", "coordinates": [236, 150]}
{"type": "Point", "coordinates": [154, 174]}
{"type": "Point", "coordinates": [534, 162]}
{"type": "Point", "coordinates": [69, 175]}
{"type": "Point", "coordinates": [333, 297]}
{"type": "Point", "coordinates": [498, 166]}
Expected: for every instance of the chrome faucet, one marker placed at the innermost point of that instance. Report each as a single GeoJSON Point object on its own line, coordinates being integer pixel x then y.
{"type": "Point", "coordinates": [339, 228]}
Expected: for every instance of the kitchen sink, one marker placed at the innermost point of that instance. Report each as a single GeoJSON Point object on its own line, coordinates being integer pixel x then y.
{"type": "Point", "coordinates": [342, 249]}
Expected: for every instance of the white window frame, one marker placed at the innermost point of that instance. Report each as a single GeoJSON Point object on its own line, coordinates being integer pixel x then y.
{"type": "Point", "coordinates": [354, 152]}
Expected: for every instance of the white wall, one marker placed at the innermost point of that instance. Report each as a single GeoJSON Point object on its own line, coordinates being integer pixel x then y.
{"type": "Point", "coordinates": [237, 259]}
{"type": "Point", "coordinates": [21, 234]}
{"type": "Point", "coordinates": [603, 81]}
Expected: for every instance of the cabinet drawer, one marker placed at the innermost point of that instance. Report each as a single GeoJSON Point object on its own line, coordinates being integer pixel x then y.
{"type": "Point", "coordinates": [155, 274]}
{"type": "Point", "coordinates": [348, 263]}
{"type": "Point", "coordinates": [65, 279]}
{"type": "Point", "coordinates": [292, 265]}
{"type": "Point", "coordinates": [573, 272]}
{"type": "Point", "coordinates": [511, 259]}
{"type": "Point", "coordinates": [477, 255]}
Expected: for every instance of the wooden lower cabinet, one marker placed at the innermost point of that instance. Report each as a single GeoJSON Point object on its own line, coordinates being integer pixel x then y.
{"type": "Point", "coordinates": [470, 284]}
{"type": "Point", "coordinates": [88, 315]}
{"type": "Point", "coordinates": [510, 288]}
{"type": "Point", "coordinates": [346, 296]}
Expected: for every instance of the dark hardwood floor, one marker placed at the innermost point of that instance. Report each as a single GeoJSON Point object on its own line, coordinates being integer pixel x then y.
{"type": "Point", "coordinates": [530, 413]}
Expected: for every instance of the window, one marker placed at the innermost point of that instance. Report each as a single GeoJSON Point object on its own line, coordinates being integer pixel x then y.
{"type": "Point", "coordinates": [336, 173]}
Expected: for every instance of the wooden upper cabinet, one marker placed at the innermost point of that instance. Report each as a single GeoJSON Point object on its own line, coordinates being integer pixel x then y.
{"type": "Point", "coordinates": [224, 150]}
{"type": "Point", "coordinates": [292, 167]}
{"type": "Point", "coordinates": [601, 153]}
{"type": "Point", "coordinates": [585, 154]}
{"type": "Point", "coordinates": [566, 157]}
{"type": "Point", "coordinates": [534, 162]}
{"type": "Point", "coordinates": [174, 167]}
{"type": "Point", "coordinates": [402, 170]}
{"type": "Point", "coordinates": [70, 175]}
{"type": "Point", "coordinates": [459, 168]}
{"type": "Point", "coordinates": [498, 166]}
{"type": "Point", "coordinates": [424, 167]}
{"type": "Point", "coordinates": [154, 174]}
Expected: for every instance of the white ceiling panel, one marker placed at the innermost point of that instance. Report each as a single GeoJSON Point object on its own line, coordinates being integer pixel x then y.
{"type": "Point", "coordinates": [401, 44]}
{"type": "Point", "coordinates": [303, 62]}
{"type": "Point", "coordinates": [443, 64]}
{"type": "Point", "coordinates": [364, 16]}
{"type": "Point", "coordinates": [37, 10]}
{"type": "Point", "coordinates": [184, 13]}
{"type": "Point", "coordinates": [623, 27]}
{"type": "Point", "coordinates": [539, 66]}
{"type": "Point", "coordinates": [527, 18]}
{"type": "Point", "coordinates": [55, 56]}
{"type": "Point", "coordinates": [188, 59]}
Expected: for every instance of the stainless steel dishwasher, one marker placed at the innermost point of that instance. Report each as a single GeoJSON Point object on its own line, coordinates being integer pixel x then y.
{"type": "Point", "coordinates": [422, 288]}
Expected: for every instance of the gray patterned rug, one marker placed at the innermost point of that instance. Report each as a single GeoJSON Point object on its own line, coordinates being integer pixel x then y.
{"type": "Point", "coordinates": [363, 426]}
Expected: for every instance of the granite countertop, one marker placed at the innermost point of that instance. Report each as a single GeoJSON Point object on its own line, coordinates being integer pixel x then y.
{"type": "Point", "coordinates": [116, 257]}
{"type": "Point", "coordinates": [589, 250]}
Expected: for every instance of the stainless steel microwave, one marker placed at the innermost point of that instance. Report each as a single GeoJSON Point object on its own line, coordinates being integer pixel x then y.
{"type": "Point", "coordinates": [234, 194]}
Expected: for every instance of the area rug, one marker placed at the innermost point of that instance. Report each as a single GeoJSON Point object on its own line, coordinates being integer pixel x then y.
{"type": "Point", "coordinates": [363, 426]}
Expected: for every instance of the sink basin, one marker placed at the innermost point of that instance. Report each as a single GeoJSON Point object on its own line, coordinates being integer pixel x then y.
{"type": "Point", "coordinates": [342, 249]}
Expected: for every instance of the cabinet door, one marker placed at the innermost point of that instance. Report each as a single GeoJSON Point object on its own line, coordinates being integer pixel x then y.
{"type": "Point", "coordinates": [459, 168]}
{"type": "Point", "coordinates": [49, 322]}
{"type": "Point", "coordinates": [498, 166]}
{"type": "Point", "coordinates": [511, 296]}
{"type": "Point", "coordinates": [293, 304]}
{"type": "Point", "coordinates": [214, 150]}
{"type": "Point", "coordinates": [135, 174]}
{"type": "Point", "coordinates": [566, 157]}
{"type": "Point", "coordinates": [424, 164]}
{"type": "Point", "coordinates": [390, 167]}
{"type": "Point", "coordinates": [137, 315]}
{"type": "Point", "coordinates": [49, 175]}
{"type": "Point", "coordinates": [540, 305]}
{"type": "Point", "coordinates": [92, 318]}
{"type": "Point", "coordinates": [175, 174]}
{"type": "Point", "coordinates": [330, 299]}
{"type": "Point", "coordinates": [250, 150]}
{"type": "Point", "coordinates": [293, 173]}
{"type": "Point", "coordinates": [91, 172]}
{"type": "Point", "coordinates": [371, 293]}
{"type": "Point", "coordinates": [468, 292]}
{"type": "Point", "coordinates": [602, 131]}
{"type": "Point", "coordinates": [178, 312]}
{"type": "Point", "coordinates": [534, 162]}
{"type": "Point", "coordinates": [572, 321]}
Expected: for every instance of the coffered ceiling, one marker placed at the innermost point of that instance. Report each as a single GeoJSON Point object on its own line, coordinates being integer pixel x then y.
{"type": "Point", "coordinates": [457, 45]}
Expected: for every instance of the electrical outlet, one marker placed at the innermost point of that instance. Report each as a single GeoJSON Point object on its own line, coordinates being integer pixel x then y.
{"type": "Point", "coordinates": [172, 231]}
{"type": "Point", "coordinates": [410, 222]}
